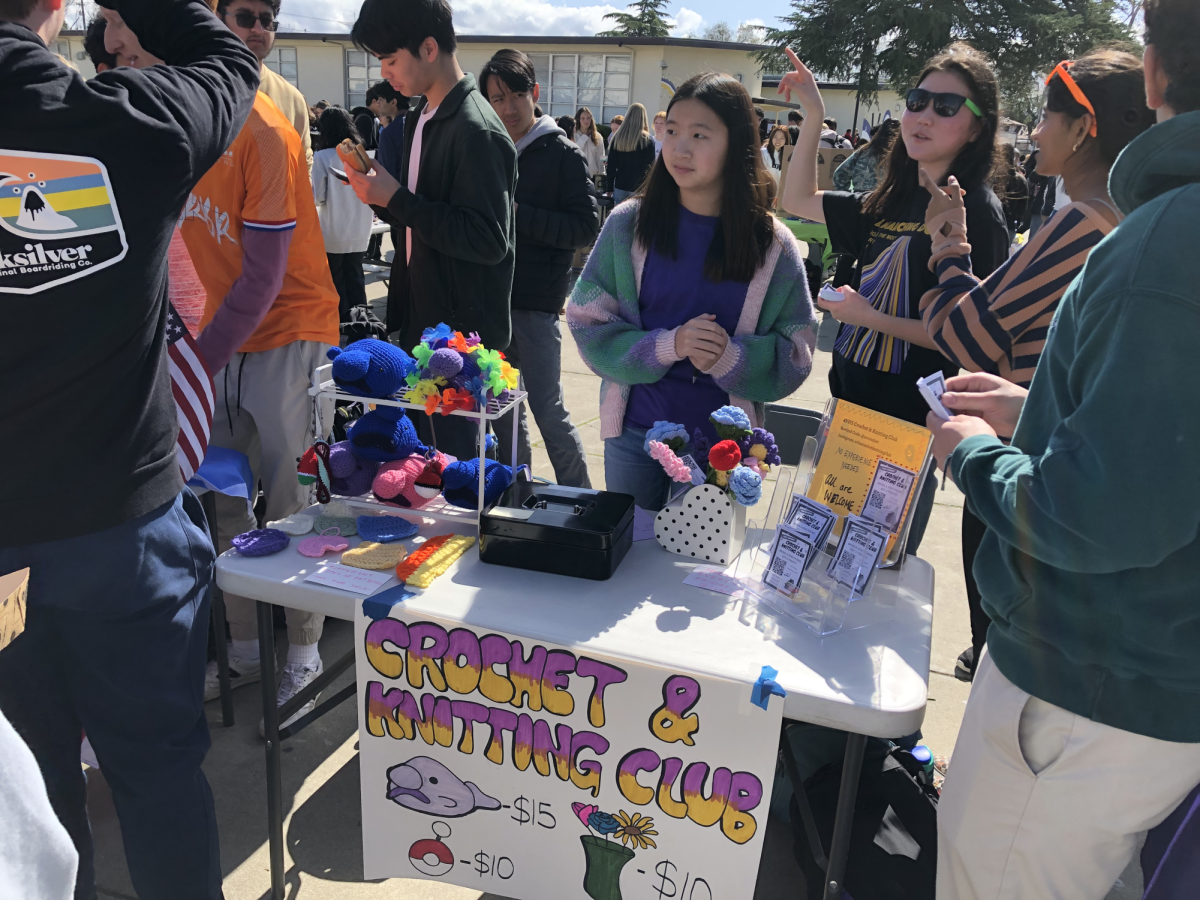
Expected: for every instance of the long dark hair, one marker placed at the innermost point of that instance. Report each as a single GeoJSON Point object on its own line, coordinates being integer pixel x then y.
{"type": "Point", "coordinates": [769, 143]}
{"type": "Point", "coordinates": [1112, 80]}
{"type": "Point", "coordinates": [881, 138]}
{"type": "Point", "coordinates": [977, 163]}
{"type": "Point", "coordinates": [746, 227]}
{"type": "Point", "coordinates": [334, 126]}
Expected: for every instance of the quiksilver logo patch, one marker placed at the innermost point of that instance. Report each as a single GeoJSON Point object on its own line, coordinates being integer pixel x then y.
{"type": "Point", "coordinates": [58, 220]}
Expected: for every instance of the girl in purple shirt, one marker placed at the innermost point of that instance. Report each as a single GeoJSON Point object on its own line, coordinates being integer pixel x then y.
{"type": "Point", "coordinates": [695, 296]}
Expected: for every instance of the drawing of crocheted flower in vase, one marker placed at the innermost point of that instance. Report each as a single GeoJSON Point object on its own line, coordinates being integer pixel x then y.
{"type": "Point", "coordinates": [605, 857]}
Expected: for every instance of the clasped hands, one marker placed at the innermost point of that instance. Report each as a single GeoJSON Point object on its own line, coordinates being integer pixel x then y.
{"type": "Point", "coordinates": [702, 341]}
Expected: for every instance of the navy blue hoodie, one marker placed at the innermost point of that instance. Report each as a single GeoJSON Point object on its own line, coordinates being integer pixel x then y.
{"type": "Point", "coordinates": [93, 177]}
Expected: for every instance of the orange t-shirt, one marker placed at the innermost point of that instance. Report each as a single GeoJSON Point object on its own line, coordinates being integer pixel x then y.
{"type": "Point", "coordinates": [261, 183]}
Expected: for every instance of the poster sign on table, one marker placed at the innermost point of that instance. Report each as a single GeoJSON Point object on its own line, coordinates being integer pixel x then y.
{"type": "Point", "coordinates": [534, 771]}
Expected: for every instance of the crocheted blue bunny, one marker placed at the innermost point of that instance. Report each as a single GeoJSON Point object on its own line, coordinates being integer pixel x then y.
{"type": "Point", "coordinates": [384, 434]}
{"type": "Point", "coordinates": [461, 482]}
{"type": "Point", "coordinates": [371, 368]}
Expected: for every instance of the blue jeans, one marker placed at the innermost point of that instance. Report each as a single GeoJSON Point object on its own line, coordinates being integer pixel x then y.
{"type": "Point", "coordinates": [620, 196]}
{"type": "Point", "coordinates": [114, 644]}
{"type": "Point", "coordinates": [628, 469]}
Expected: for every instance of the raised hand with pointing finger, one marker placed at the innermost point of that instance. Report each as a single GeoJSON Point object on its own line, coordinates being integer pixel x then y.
{"type": "Point", "coordinates": [945, 218]}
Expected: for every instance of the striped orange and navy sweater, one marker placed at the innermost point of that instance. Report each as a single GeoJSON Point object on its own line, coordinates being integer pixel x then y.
{"type": "Point", "coordinates": [999, 325]}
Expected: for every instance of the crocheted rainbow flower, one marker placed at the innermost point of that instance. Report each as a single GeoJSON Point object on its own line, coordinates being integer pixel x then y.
{"type": "Point", "coordinates": [745, 485]}
{"type": "Point", "coordinates": [672, 464]}
{"type": "Point", "coordinates": [674, 436]}
{"type": "Point", "coordinates": [731, 422]}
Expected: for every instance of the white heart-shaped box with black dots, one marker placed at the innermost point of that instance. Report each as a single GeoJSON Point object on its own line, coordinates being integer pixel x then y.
{"type": "Point", "coordinates": [703, 524]}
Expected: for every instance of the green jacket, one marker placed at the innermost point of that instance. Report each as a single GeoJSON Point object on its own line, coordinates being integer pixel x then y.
{"type": "Point", "coordinates": [1090, 568]}
{"type": "Point", "coordinates": [461, 220]}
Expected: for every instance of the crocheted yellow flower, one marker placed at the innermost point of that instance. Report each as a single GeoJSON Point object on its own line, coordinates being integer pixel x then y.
{"type": "Point", "coordinates": [424, 389]}
{"type": "Point", "coordinates": [635, 829]}
{"type": "Point", "coordinates": [510, 374]}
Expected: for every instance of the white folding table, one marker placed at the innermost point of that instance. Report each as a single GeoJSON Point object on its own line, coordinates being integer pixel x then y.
{"type": "Point", "coordinates": [869, 679]}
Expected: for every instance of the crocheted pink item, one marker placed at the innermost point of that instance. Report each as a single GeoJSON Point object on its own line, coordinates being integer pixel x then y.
{"type": "Point", "coordinates": [672, 464]}
{"type": "Point", "coordinates": [320, 544]}
{"type": "Point", "coordinates": [395, 482]}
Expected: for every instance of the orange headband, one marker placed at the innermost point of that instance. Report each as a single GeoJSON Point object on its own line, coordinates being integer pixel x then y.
{"type": "Point", "coordinates": [1061, 71]}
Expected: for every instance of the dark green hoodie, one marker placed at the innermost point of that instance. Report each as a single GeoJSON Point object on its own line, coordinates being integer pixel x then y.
{"type": "Point", "coordinates": [1090, 568]}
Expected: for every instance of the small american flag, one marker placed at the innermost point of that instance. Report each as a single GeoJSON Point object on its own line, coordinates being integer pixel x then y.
{"type": "Point", "coordinates": [192, 385]}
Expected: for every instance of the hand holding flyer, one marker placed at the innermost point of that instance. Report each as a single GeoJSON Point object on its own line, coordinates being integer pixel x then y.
{"type": "Point", "coordinates": [932, 387]}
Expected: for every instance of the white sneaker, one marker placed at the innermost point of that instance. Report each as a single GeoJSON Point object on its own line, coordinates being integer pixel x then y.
{"type": "Point", "coordinates": [241, 672]}
{"type": "Point", "coordinates": [296, 677]}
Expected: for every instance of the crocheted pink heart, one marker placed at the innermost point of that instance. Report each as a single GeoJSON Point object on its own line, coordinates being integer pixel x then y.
{"type": "Point", "coordinates": [320, 544]}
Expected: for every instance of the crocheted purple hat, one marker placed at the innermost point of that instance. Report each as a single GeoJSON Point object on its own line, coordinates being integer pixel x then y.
{"type": "Point", "coordinates": [260, 542]}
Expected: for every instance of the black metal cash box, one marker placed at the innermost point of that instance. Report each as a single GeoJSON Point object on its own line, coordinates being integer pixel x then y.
{"type": "Point", "coordinates": [561, 530]}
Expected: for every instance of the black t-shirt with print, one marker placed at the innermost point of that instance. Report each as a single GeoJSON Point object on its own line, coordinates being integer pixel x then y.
{"type": "Point", "coordinates": [872, 369]}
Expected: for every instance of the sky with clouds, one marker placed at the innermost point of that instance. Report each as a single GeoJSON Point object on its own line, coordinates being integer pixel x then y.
{"type": "Point", "coordinates": [534, 16]}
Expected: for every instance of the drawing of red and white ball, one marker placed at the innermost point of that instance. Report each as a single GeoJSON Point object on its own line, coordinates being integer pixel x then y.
{"type": "Point", "coordinates": [430, 856]}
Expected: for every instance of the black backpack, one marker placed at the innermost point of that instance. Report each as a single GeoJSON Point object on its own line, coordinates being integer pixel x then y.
{"type": "Point", "coordinates": [893, 841]}
{"type": "Point", "coordinates": [363, 324]}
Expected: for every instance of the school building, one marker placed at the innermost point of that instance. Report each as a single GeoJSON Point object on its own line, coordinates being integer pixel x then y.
{"type": "Point", "coordinates": [601, 73]}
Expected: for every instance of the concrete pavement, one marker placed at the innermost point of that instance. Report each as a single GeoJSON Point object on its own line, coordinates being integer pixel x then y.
{"type": "Point", "coordinates": [320, 766]}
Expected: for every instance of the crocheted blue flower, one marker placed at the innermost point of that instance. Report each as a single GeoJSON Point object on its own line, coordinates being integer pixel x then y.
{"type": "Point", "coordinates": [603, 823]}
{"type": "Point", "coordinates": [440, 332]}
{"type": "Point", "coordinates": [731, 423]}
{"type": "Point", "coordinates": [674, 436]}
{"type": "Point", "coordinates": [745, 485]}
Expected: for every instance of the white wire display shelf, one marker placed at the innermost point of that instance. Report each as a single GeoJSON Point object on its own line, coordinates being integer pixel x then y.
{"type": "Point", "coordinates": [325, 389]}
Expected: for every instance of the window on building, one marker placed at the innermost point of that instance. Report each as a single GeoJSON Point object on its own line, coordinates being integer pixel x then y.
{"type": "Point", "coordinates": [595, 80]}
{"type": "Point", "coordinates": [282, 61]}
{"type": "Point", "coordinates": [362, 71]}
{"type": "Point", "coordinates": [63, 49]}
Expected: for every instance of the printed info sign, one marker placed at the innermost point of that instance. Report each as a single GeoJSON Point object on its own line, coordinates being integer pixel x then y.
{"type": "Point", "coordinates": [531, 771]}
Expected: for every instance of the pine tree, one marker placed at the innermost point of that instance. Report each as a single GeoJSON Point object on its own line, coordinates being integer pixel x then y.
{"type": "Point", "coordinates": [645, 18]}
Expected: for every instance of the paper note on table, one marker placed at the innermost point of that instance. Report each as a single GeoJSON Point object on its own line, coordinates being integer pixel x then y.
{"type": "Point", "coordinates": [347, 578]}
{"type": "Point", "coordinates": [713, 578]}
{"type": "Point", "coordinates": [643, 524]}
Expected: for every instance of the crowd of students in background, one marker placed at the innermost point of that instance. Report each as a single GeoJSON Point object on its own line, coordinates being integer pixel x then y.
{"type": "Point", "coordinates": [1077, 341]}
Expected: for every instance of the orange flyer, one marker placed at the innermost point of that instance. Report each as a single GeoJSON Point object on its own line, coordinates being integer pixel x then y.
{"type": "Point", "coordinates": [856, 440]}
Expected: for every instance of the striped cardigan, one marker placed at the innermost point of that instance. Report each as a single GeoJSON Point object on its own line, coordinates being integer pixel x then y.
{"type": "Point", "coordinates": [999, 325]}
{"type": "Point", "coordinates": [768, 356]}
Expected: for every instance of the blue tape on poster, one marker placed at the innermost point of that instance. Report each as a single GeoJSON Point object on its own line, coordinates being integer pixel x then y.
{"type": "Point", "coordinates": [378, 606]}
{"type": "Point", "coordinates": [766, 685]}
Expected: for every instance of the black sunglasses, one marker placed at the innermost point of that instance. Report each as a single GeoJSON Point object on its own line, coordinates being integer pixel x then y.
{"type": "Point", "coordinates": [247, 19]}
{"type": "Point", "coordinates": [945, 105]}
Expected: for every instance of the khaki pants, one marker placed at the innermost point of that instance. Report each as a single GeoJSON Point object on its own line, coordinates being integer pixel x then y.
{"type": "Point", "coordinates": [1042, 803]}
{"type": "Point", "coordinates": [263, 410]}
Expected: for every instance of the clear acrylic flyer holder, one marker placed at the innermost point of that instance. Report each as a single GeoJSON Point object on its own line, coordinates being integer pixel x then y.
{"type": "Point", "coordinates": [820, 603]}
{"type": "Point", "coordinates": [815, 446]}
